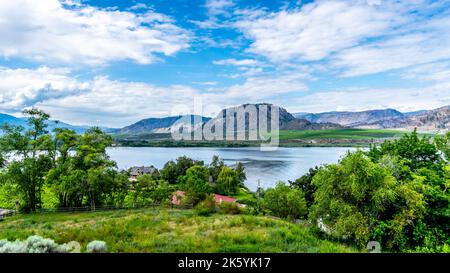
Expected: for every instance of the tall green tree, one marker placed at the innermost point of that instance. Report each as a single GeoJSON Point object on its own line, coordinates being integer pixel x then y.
{"type": "Point", "coordinates": [29, 151]}
{"type": "Point", "coordinates": [361, 201]}
{"type": "Point", "coordinates": [285, 202]}
{"type": "Point", "coordinates": [196, 183]}
{"type": "Point", "coordinates": [227, 181]}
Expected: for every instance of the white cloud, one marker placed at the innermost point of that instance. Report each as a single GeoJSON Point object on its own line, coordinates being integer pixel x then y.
{"type": "Point", "coordinates": [234, 62]}
{"type": "Point", "coordinates": [20, 88]}
{"type": "Point", "coordinates": [107, 102]}
{"type": "Point", "coordinates": [315, 31]}
{"type": "Point", "coordinates": [48, 31]}
{"type": "Point", "coordinates": [353, 37]}
{"type": "Point", "coordinates": [218, 7]}
{"type": "Point", "coordinates": [428, 42]}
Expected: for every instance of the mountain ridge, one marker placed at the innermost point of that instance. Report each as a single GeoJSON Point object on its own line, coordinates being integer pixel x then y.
{"type": "Point", "coordinates": [434, 120]}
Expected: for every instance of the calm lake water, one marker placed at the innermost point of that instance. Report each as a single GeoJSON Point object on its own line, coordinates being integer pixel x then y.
{"type": "Point", "coordinates": [268, 167]}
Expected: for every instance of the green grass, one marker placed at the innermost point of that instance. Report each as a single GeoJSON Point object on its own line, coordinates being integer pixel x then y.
{"type": "Point", "coordinates": [339, 134]}
{"type": "Point", "coordinates": [167, 230]}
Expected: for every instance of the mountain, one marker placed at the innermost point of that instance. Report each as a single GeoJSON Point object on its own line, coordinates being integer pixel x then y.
{"type": "Point", "coordinates": [52, 124]}
{"type": "Point", "coordinates": [251, 119]}
{"type": "Point", "coordinates": [162, 125]}
{"type": "Point", "coordinates": [428, 121]}
{"type": "Point", "coordinates": [424, 120]}
{"type": "Point", "coordinates": [353, 119]}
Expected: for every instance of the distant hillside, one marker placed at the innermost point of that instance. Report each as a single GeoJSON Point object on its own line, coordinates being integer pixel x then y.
{"type": "Point", "coordinates": [433, 120]}
{"type": "Point", "coordinates": [353, 119]}
{"type": "Point", "coordinates": [162, 125]}
{"type": "Point", "coordinates": [52, 124]}
{"type": "Point", "coordinates": [424, 120]}
{"type": "Point", "coordinates": [286, 120]}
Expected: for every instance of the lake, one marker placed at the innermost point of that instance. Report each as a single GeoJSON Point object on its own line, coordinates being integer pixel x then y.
{"type": "Point", "coordinates": [266, 166]}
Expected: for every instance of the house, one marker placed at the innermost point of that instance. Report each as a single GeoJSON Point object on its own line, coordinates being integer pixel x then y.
{"type": "Point", "coordinates": [178, 195]}
{"type": "Point", "coordinates": [135, 172]}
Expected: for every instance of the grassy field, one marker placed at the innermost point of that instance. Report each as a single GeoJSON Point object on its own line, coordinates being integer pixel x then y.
{"type": "Point", "coordinates": [170, 230]}
{"type": "Point", "coordinates": [288, 138]}
{"type": "Point", "coordinates": [339, 134]}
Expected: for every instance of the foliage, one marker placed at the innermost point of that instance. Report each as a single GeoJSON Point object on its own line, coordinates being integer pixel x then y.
{"type": "Point", "coordinates": [37, 244]}
{"type": "Point", "coordinates": [285, 202]}
{"type": "Point", "coordinates": [230, 208]}
{"type": "Point", "coordinates": [228, 181]}
{"type": "Point", "coordinates": [172, 171]}
{"type": "Point", "coordinates": [149, 190]}
{"type": "Point", "coordinates": [30, 157]}
{"type": "Point", "coordinates": [305, 184]}
{"type": "Point", "coordinates": [422, 161]}
{"type": "Point", "coordinates": [215, 168]}
{"type": "Point", "coordinates": [97, 247]}
{"type": "Point", "coordinates": [196, 183]}
{"type": "Point", "coordinates": [206, 207]}
{"type": "Point", "coordinates": [361, 201]}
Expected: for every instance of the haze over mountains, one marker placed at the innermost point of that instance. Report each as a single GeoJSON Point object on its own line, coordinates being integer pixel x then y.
{"type": "Point", "coordinates": [425, 120]}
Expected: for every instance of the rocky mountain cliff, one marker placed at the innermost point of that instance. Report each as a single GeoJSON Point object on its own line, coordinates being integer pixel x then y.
{"type": "Point", "coordinates": [353, 119]}
{"type": "Point", "coordinates": [424, 120]}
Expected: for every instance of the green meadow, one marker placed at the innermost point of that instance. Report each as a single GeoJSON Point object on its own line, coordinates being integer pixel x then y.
{"type": "Point", "coordinates": [170, 230]}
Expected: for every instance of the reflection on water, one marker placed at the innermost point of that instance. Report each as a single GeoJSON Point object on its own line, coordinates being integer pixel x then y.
{"type": "Point", "coordinates": [266, 166]}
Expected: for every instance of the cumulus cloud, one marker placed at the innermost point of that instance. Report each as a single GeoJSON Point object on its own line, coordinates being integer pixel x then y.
{"type": "Point", "coordinates": [314, 31]}
{"type": "Point", "coordinates": [20, 88]}
{"type": "Point", "coordinates": [107, 102]}
{"type": "Point", "coordinates": [52, 31]}
{"type": "Point", "coordinates": [354, 37]}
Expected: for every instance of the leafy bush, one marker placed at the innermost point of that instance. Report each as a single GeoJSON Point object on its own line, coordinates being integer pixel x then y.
{"type": "Point", "coordinates": [230, 208]}
{"type": "Point", "coordinates": [196, 183]}
{"type": "Point", "coordinates": [285, 202]}
{"type": "Point", "coordinates": [37, 244]}
{"type": "Point", "coordinates": [206, 207]}
{"type": "Point", "coordinates": [97, 247]}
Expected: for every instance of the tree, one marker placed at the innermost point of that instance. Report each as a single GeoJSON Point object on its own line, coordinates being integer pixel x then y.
{"type": "Point", "coordinates": [216, 167]}
{"type": "Point", "coordinates": [361, 201]}
{"type": "Point", "coordinates": [417, 152]}
{"type": "Point", "coordinates": [172, 171]}
{"type": "Point", "coordinates": [305, 184]}
{"type": "Point", "coordinates": [443, 144]}
{"type": "Point", "coordinates": [240, 170]}
{"type": "Point", "coordinates": [227, 181]}
{"type": "Point", "coordinates": [83, 174]}
{"type": "Point", "coordinates": [30, 157]}
{"type": "Point", "coordinates": [424, 161]}
{"type": "Point", "coordinates": [196, 183]}
{"type": "Point", "coordinates": [285, 202]}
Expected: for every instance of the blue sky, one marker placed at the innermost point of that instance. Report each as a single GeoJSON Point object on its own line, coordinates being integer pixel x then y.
{"type": "Point", "coordinates": [112, 63]}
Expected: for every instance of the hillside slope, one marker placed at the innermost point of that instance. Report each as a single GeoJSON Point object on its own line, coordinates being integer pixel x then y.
{"type": "Point", "coordinates": [170, 230]}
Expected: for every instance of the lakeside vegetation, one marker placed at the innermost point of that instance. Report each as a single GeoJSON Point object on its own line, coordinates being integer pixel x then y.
{"type": "Point", "coordinates": [396, 193]}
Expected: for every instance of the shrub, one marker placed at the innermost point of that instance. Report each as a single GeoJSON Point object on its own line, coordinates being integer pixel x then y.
{"type": "Point", "coordinates": [206, 207]}
{"type": "Point", "coordinates": [37, 244]}
{"type": "Point", "coordinates": [97, 247]}
{"type": "Point", "coordinates": [285, 202]}
{"type": "Point", "coordinates": [229, 208]}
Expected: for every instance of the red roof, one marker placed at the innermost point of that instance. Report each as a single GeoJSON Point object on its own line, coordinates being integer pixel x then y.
{"type": "Point", "coordinates": [176, 198]}
{"type": "Point", "coordinates": [222, 198]}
